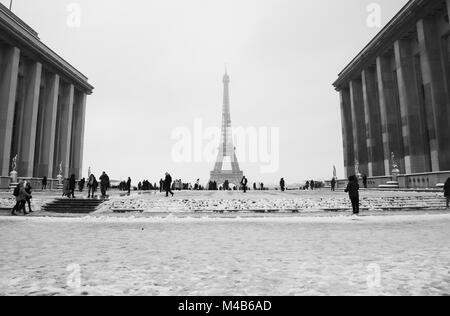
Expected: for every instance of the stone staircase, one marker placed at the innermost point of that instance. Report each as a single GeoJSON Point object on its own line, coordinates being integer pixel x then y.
{"type": "Point", "coordinates": [73, 206]}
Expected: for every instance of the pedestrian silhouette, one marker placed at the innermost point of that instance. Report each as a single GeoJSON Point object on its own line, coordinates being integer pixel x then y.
{"type": "Point", "coordinates": [353, 192]}
{"type": "Point", "coordinates": [447, 191]}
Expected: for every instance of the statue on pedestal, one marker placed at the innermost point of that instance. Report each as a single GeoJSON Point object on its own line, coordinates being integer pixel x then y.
{"type": "Point", "coordinates": [357, 173]}
{"type": "Point", "coordinates": [13, 173]}
{"type": "Point", "coordinates": [60, 176]}
{"type": "Point", "coordinates": [60, 169]}
{"type": "Point", "coordinates": [14, 163]}
{"type": "Point", "coordinates": [395, 168]}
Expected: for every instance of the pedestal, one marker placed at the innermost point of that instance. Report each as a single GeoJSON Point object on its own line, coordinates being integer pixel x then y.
{"type": "Point", "coordinates": [60, 182]}
{"type": "Point", "coordinates": [14, 180]}
{"type": "Point", "coordinates": [394, 183]}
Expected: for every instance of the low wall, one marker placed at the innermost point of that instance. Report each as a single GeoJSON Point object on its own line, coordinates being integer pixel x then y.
{"type": "Point", "coordinates": [410, 181]}
{"type": "Point", "coordinates": [36, 183]}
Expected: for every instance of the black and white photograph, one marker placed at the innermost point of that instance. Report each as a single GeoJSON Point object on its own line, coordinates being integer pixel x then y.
{"type": "Point", "coordinates": [224, 154]}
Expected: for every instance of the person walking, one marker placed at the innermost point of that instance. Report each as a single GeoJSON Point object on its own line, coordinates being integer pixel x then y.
{"type": "Point", "coordinates": [72, 185]}
{"type": "Point", "coordinates": [161, 185]}
{"type": "Point", "coordinates": [28, 198]}
{"type": "Point", "coordinates": [197, 185]}
{"type": "Point", "coordinates": [92, 186]}
{"type": "Point", "coordinates": [44, 183]}
{"type": "Point", "coordinates": [333, 184]}
{"type": "Point", "coordinates": [21, 195]}
{"type": "Point", "coordinates": [244, 183]}
{"type": "Point", "coordinates": [353, 192]}
{"type": "Point", "coordinates": [282, 185]}
{"type": "Point", "coordinates": [168, 184]}
{"type": "Point", "coordinates": [104, 184]}
{"type": "Point", "coordinates": [81, 184]}
{"type": "Point", "coordinates": [364, 181]}
{"type": "Point", "coordinates": [447, 191]}
{"type": "Point", "coordinates": [129, 185]}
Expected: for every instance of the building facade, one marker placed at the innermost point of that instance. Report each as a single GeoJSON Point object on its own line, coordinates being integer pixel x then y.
{"type": "Point", "coordinates": [395, 96]}
{"type": "Point", "coordinates": [42, 106]}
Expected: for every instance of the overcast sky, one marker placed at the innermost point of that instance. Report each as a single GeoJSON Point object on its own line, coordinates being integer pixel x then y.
{"type": "Point", "coordinates": [157, 65]}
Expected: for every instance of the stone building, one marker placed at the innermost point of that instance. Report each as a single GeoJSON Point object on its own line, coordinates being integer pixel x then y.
{"type": "Point", "coordinates": [395, 96]}
{"type": "Point", "coordinates": [42, 105]}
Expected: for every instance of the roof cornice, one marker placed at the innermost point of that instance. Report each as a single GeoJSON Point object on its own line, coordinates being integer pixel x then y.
{"type": "Point", "coordinates": [27, 38]}
{"type": "Point", "coordinates": [398, 27]}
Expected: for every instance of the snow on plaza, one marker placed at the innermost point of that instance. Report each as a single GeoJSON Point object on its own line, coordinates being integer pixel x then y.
{"type": "Point", "coordinates": [228, 243]}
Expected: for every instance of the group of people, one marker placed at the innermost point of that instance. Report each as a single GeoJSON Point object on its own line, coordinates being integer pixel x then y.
{"type": "Point", "coordinates": [146, 186]}
{"type": "Point", "coordinates": [261, 186]}
{"type": "Point", "coordinates": [92, 185]}
{"type": "Point", "coordinates": [22, 193]}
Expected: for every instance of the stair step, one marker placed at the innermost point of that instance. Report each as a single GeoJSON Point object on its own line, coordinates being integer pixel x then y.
{"type": "Point", "coordinates": [75, 206]}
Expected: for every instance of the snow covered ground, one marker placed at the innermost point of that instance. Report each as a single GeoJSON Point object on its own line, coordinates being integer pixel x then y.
{"type": "Point", "coordinates": [267, 201]}
{"type": "Point", "coordinates": [273, 255]}
{"type": "Point", "coordinates": [302, 201]}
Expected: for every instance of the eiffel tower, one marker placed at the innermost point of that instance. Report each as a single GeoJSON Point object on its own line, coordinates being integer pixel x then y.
{"type": "Point", "coordinates": [226, 149]}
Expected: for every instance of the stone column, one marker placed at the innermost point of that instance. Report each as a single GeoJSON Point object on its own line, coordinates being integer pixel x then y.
{"type": "Point", "coordinates": [347, 132]}
{"type": "Point", "coordinates": [435, 92]}
{"type": "Point", "coordinates": [64, 128]}
{"type": "Point", "coordinates": [373, 123]}
{"type": "Point", "coordinates": [79, 114]}
{"type": "Point", "coordinates": [413, 129]}
{"type": "Point", "coordinates": [359, 125]}
{"type": "Point", "coordinates": [9, 70]}
{"type": "Point", "coordinates": [391, 120]}
{"type": "Point", "coordinates": [29, 119]}
{"type": "Point", "coordinates": [47, 127]}
{"type": "Point", "coordinates": [448, 7]}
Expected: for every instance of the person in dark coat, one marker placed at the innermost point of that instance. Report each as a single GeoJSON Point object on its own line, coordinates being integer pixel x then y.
{"type": "Point", "coordinates": [353, 192]}
{"type": "Point", "coordinates": [313, 185]}
{"type": "Point", "coordinates": [333, 184]}
{"type": "Point", "coordinates": [104, 184]}
{"type": "Point", "coordinates": [44, 183]}
{"type": "Point", "coordinates": [81, 184]}
{"type": "Point", "coordinates": [28, 198]}
{"type": "Point", "coordinates": [72, 185]}
{"type": "Point", "coordinates": [129, 185]}
{"type": "Point", "coordinates": [168, 184]}
{"type": "Point", "coordinates": [365, 181]}
{"type": "Point", "coordinates": [282, 185]}
{"type": "Point", "coordinates": [161, 185]}
{"type": "Point", "coordinates": [447, 191]}
{"type": "Point", "coordinates": [244, 183]}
